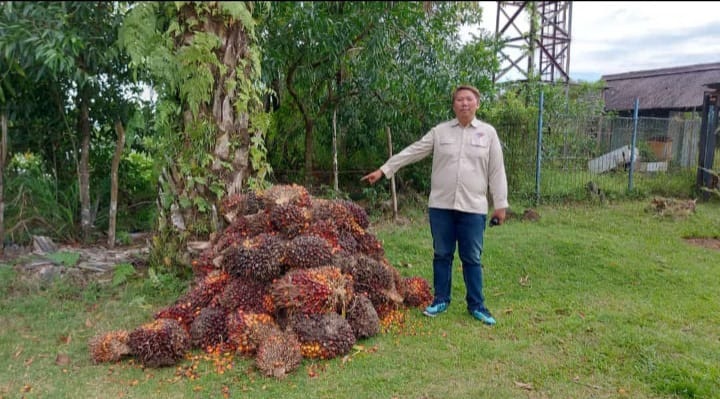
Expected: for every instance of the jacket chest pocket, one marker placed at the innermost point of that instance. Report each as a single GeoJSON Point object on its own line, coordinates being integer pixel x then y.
{"type": "Point", "coordinates": [479, 146]}
{"type": "Point", "coordinates": [448, 145]}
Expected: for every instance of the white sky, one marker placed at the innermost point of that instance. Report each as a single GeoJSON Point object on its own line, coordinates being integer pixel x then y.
{"type": "Point", "coordinates": [610, 37]}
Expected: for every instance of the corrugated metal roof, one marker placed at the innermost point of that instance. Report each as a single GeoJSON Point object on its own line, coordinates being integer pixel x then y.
{"type": "Point", "coordinates": [679, 88]}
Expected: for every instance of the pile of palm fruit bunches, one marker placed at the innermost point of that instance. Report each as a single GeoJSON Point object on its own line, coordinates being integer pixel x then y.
{"type": "Point", "coordinates": [291, 277]}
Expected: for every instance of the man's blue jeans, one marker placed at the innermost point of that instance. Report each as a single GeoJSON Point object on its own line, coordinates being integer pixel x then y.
{"type": "Point", "coordinates": [449, 227]}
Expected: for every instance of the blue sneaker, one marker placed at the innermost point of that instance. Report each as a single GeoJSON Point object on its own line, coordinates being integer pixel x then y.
{"type": "Point", "coordinates": [436, 309]}
{"type": "Point", "coordinates": [485, 317]}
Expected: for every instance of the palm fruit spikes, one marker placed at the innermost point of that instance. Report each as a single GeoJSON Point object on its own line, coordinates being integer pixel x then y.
{"type": "Point", "coordinates": [359, 214]}
{"type": "Point", "coordinates": [323, 336]}
{"type": "Point", "coordinates": [244, 294]}
{"type": "Point", "coordinates": [375, 279]}
{"type": "Point", "coordinates": [239, 204]}
{"type": "Point", "coordinates": [363, 317]}
{"type": "Point", "coordinates": [279, 354]}
{"type": "Point", "coordinates": [289, 220]}
{"type": "Point", "coordinates": [306, 251]}
{"type": "Point", "coordinates": [318, 290]}
{"type": "Point", "coordinates": [198, 297]}
{"type": "Point", "coordinates": [285, 194]}
{"type": "Point", "coordinates": [416, 292]}
{"type": "Point", "coordinates": [258, 258]}
{"type": "Point", "coordinates": [109, 347]}
{"type": "Point", "coordinates": [246, 330]}
{"type": "Point", "coordinates": [208, 329]}
{"type": "Point", "coordinates": [159, 343]}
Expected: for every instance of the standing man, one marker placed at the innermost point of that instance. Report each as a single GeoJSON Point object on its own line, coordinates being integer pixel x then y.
{"type": "Point", "coordinates": [467, 167]}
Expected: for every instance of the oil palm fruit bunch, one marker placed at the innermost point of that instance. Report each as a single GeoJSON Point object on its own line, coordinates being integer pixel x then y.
{"type": "Point", "coordinates": [362, 317]}
{"type": "Point", "coordinates": [307, 251]}
{"type": "Point", "coordinates": [201, 294]}
{"type": "Point", "coordinates": [279, 354]}
{"type": "Point", "coordinates": [416, 292]}
{"type": "Point", "coordinates": [323, 336]}
{"type": "Point", "coordinates": [109, 347]}
{"type": "Point", "coordinates": [159, 343]}
{"type": "Point", "coordinates": [208, 329]}
{"type": "Point", "coordinates": [247, 329]}
{"type": "Point", "coordinates": [289, 276]}
{"type": "Point", "coordinates": [258, 258]}
{"type": "Point", "coordinates": [317, 290]}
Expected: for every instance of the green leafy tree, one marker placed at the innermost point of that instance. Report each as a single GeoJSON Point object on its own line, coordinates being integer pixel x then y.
{"type": "Point", "coordinates": [379, 64]}
{"type": "Point", "coordinates": [60, 60]}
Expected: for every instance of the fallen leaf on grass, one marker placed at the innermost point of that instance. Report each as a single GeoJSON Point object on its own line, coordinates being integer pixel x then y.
{"type": "Point", "coordinates": [524, 385]}
{"type": "Point", "coordinates": [65, 339]}
{"type": "Point", "coordinates": [62, 359]}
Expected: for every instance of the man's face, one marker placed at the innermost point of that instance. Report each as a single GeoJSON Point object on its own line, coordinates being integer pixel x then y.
{"type": "Point", "coordinates": [465, 104]}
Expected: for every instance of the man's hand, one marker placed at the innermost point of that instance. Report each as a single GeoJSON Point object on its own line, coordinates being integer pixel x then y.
{"type": "Point", "coordinates": [499, 214]}
{"type": "Point", "coordinates": [372, 177]}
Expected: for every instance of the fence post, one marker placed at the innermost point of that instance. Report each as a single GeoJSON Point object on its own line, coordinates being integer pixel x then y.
{"type": "Point", "coordinates": [392, 179]}
{"type": "Point", "coordinates": [633, 143]}
{"type": "Point", "coordinates": [538, 155]}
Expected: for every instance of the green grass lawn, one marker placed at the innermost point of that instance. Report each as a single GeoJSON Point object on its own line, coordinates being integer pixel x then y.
{"type": "Point", "coordinates": [606, 301]}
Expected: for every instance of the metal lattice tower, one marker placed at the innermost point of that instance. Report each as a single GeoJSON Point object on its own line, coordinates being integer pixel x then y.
{"type": "Point", "coordinates": [542, 39]}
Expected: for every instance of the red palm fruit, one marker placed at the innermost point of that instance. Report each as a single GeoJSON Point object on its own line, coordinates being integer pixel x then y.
{"type": "Point", "coordinates": [416, 292]}
{"type": "Point", "coordinates": [289, 220]}
{"type": "Point", "coordinates": [246, 330]}
{"type": "Point", "coordinates": [208, 329]}
{"type": "Point", "coordinates": [323, 336]}
{"type": "Point", "coordinates": [159, 343]}
{"type": "Point", "coordinates": [109, 347]}
{"type": "Point", "coordinates": [362, 317]}
{"type": "Point", "coordinates": [244, 294]}
{"type": "Point", "coordinates": [202, 292]}
{"type": "Point", "coordinates": [306, 251]}
{"type": "Point", "coordinates": [279, 354]}
{"type": "Point", "coordinates": [317, 290]}
{"type": "Point", "coordinates": [359, 214]}
{"type": "Point", "coordinates": [258, 258]}
{"type": "Point", "coordinates": [285, 194]}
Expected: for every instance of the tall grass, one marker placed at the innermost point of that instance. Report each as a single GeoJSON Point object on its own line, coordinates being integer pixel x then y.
{"type": "Point", "coordinates": [605, 301]}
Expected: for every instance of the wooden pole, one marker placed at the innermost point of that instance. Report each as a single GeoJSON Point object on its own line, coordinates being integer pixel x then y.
{"type": "Point", "coordinates": [392, 179]}
{"type": "Point", "coordinates": [336, 186]}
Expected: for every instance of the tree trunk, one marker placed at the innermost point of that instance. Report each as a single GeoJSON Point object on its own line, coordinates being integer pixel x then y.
{"type": "Point", "coordinates": [84, 167]}
{"type": "Point", "coordinates": [189, 204]}
{"type": "Point", "coordinates": [112, 217]}
{"type": "Point", "coordinates": [336, 186]}
{"type": "Point", "coordinates": [392, 179]}
{"type": "Point", "coordinates": [309, 150]}
{"type": "Point", "coordinates": [3, 155]}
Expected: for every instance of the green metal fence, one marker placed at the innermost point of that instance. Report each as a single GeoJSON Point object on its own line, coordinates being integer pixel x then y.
{"type": "Point", "coordinates": [581, 158]}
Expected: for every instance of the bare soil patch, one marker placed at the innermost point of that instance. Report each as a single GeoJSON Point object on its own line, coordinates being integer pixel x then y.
{"type": "Point", "coordinates": [711, 243]}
